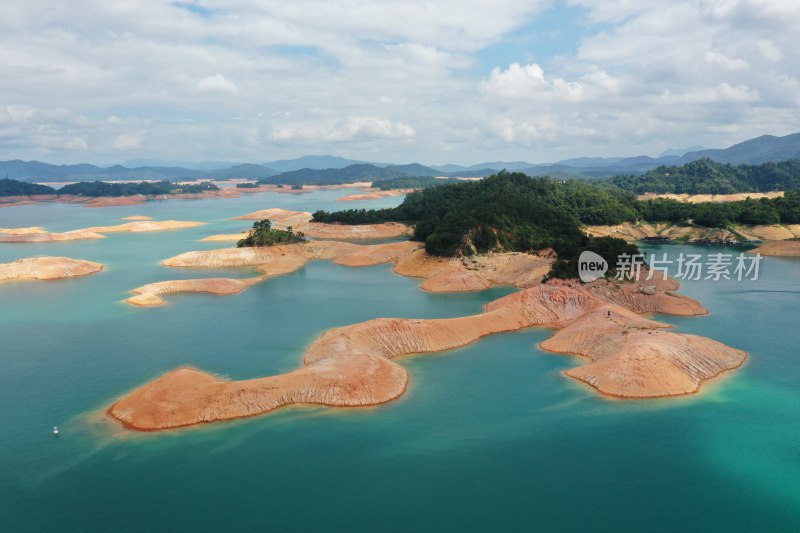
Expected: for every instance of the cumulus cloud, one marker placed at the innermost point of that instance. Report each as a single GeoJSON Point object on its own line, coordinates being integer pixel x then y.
{"type": "Point", "coordinates": [392, 80]}
{"type": "Point", "coordinates": [216, 84]}
{"type": "Point", "coordinates": [127, 141]}
{"type": "Point", "coordinates": [353, 128]}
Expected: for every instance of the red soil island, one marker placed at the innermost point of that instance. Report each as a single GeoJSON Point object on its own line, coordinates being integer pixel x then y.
{"type": "Point", "coordinates": [631, 357]}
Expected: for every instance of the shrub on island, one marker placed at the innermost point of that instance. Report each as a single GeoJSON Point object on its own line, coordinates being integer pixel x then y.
{"type": "Point", "coordinates": [263, 234]}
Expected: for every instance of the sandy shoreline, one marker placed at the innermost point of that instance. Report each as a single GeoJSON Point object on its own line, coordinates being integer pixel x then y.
{"type": "Point", "coordinates": [779, 249]}
{"type": "Point", "coordinates": [27, 235]}
{"type": "Point", "coordinates": [47, 268]}
{"type": "Point", "coordinates": [117, 201]}
{"type": "Point", "coordinates": [151, 295]}
{"type": "Point", "coordinates": [352, 366]}
{"type": "Point", "coordinates": [634, 232]}
{"type": "Point", "coordinates": [703, 198]}
{"type": "Point", "coordinates": [301, 221]}
{"type": "Point", "coordinates": [373, 194]}
{"type": "Point", "coordinates": [438, 274]}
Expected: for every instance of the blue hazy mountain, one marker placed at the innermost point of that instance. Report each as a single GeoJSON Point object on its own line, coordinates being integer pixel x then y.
{"type": "Point", "coordinates": [314, 162]}
{"type": "Point", "coordinates": [754, 151]}
{"type": "Point", "coordinates": [202, 165]}
{"type": "Point", "coordinates": [349, 174]}
{"type": "Point", "coordinates": [680, 152]}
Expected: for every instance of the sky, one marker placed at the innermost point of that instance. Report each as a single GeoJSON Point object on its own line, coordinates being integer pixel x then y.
{"type": "Point", "coordinates": [447, 81]}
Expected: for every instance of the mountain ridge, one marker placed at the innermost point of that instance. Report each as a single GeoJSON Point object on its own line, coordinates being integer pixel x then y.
{"type": "Point", "coordinates": [758, 150]}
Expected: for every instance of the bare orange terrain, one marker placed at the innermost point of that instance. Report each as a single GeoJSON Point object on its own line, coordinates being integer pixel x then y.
{"type": "Point", "coordinates": [440, 274]}
{"type": "Point", "coordinates": [779, 249]}
{"type": "Point", "coordinates": [21, 235]}
{"type": "Point", "coordinates": [47, 268]}
{"type": "Point", "coordinates": [301, 221]}
{"type": "Point", "coordinates": [631, 357]}
{"type": "Point", "coordinates": [373, 194]}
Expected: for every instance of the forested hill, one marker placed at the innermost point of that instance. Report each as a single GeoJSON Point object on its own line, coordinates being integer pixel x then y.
{"type": "Point", "coordinates": [100, 188]}
{"type": "Point", "coordinates": [9, 187]}
{"type": "Point", "coordinates": [708, 177]}
{"type": "Point", "coordinates": [515, 212]}
{"type": "Point", "coordinates": [509, 211]}
{"type": "Point", "coordinates": [349, 174]}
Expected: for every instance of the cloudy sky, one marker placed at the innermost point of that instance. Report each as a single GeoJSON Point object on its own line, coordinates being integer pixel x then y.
{"type": "Point", "coordinates": [392, 80]}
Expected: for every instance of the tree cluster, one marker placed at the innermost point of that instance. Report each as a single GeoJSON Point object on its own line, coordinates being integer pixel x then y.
{"type": "Point", "coordinates": [705, 176]}
{"type": "Point", "coordinates": [9, 187]}
{"type": "Point", "coordinates": [785, 210]}
{"type": "Point", "coordinates": [422, 182]}
{"type": "Point", "coordinates": [263, 234]}
{"type": "Point", "coordinates": [508, 211]}
{"type": "Point", "coordinates": [102, 188]}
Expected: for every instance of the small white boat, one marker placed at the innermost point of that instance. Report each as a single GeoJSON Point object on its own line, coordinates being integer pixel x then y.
{"type": "Point", "coordinates": [55, 430]}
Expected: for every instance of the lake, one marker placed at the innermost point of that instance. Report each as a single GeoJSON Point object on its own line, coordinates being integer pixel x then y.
{"type": "Point", "coordinates": [490, 436]}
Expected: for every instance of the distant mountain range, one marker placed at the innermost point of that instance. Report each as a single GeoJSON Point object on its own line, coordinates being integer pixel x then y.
{"type": "Point", "coordinates": [314, 162]}
{"type": "Point", "coordinates": [349, 174]}
{"type": "Point", "coordinates": [332, 169]}
{"type": "Point", "coordinates": [753, 152]}
{"type": "Point", "coordinates": [680, 152]}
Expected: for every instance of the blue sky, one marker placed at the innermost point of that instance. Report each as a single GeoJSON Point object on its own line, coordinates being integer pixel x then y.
{"type": "Point", "coordinates": [392, 80]}
{"type": "Point", "coordinates": [556, 31]}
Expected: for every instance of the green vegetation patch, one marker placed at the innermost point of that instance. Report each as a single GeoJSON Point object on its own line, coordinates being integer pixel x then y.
{"type": "Point", "coordinates": [263, 234]}
{"type": "Point", "coordinates": [10, 187]}
{"type": "Point", "coordinates": [101, 188]}
{"type": "Point", "coordinates": [708, 177]}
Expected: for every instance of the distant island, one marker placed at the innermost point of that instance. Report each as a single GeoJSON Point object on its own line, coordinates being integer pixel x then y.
{"type": "Point", "coordinates": [9, 187]}
{"type": "Point", "coordinates": [96, 189]}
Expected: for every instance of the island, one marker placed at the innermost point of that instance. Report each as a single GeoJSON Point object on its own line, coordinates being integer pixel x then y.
{"type": "Point", "coordinates": [302, 221]}
{"type": "Point", "coordinates": [15, 193]}
{"type": "Point", "coordinates": [352, 366]}
{"type": "Point", "coordinates": [151, 295]}
{"type": "Point", "coordinates": [438, 274]}
{"type": "Point", "coordinates": [47, 268]}
{"type": "Point", "coordinates": [465, 240]}
{"type": "Point", "coordinates": [27, 235]}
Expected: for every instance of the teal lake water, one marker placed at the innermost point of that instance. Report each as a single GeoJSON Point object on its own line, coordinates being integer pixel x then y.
{"type": "Point", "coordinates": [488, 437]}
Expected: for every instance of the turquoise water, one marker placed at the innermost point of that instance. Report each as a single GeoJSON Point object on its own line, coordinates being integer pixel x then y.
{"type": "Point", "coordinates": [490, 436]}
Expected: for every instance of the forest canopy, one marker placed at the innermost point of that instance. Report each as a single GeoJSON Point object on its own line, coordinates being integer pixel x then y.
{"type": "Point", "coordinates": [505, 212]}
{"type": "Point", "coordinates": [9, 187]}
{"type": "Point", "coordinates": [705, 176]}
{"type": "Point", "coordinates": [102, 188]}
{"type": "Point", "coordinates": [515, 212]}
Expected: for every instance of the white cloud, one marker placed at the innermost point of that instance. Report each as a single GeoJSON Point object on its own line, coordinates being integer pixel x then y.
{"type": "Point", "coordinates": [529, 82]}
{"type": "Point", "coordinates": [390, 80]}
{"type": "Point", "coordinates": [216, 84]}
{"type": "Point", "coordinates": [718, 59]}
{"type": "Point", "coordinates": [769, 51]}
{"type": "Point", "coordinates": [127, 141]}
{"type": "Point", "coordinates": [353, 128]}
